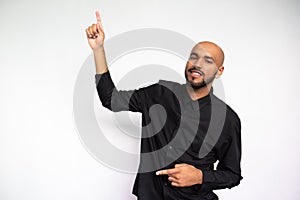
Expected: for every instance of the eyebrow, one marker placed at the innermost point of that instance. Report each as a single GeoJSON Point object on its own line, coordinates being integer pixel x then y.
{"type": "Point", "coordinates": [206, 57]}
{"type": "Point", "coordinates": [209, 57]}
{"type": "Point", "coordinates": [194, 54]}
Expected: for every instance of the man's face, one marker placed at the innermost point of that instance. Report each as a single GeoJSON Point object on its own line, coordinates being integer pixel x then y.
{"type": "Point", "coordinates": [204, 64]}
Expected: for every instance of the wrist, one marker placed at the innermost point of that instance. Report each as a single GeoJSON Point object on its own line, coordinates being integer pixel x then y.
{"type": "Point", "coordinates": [99, 49]}
{"type": "Point", "coordinates": [101, 71]}
{"type": "Point", "coordinates": [200, 177]}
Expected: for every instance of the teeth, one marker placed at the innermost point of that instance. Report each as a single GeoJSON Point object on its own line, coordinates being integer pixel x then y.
{"type": "Point", "coordinates": [197, 73]}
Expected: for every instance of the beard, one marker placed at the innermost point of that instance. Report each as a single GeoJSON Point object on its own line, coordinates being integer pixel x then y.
{"type": "Point", "coordinates": [201, 84]}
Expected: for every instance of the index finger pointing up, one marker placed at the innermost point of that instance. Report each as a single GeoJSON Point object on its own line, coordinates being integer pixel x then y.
{"type": "Point", "coordinates": [98, 17]}
{"type": "Point", "coordinates": [99, 22]}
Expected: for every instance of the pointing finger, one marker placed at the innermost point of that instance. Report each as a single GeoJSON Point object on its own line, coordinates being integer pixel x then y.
{"type": "Point", "coordinates": [98, 17]}
{"type": "Point", "coordinates": [167, 171]}
{"type": "Point", "coordinates": [99, 21]}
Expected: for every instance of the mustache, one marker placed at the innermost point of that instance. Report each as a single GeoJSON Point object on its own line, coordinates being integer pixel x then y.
{"type": "Point", "coordinates": [196, 69]}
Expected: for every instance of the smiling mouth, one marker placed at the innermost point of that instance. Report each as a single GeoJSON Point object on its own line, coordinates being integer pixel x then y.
{"type": "Point", "coordinates": [195, 72]}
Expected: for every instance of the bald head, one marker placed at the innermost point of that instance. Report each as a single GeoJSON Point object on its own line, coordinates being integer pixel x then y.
{"type": "Point", "coordinates": [214, 50]}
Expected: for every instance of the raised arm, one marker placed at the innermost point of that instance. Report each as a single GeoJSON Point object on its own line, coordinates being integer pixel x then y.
{"type": "Point", "coordinates": [110, 97]}
{"type": "Point", "coordinates": [95, 35]}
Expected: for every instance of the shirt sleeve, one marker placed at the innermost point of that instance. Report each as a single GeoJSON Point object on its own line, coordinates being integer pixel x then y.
{"type": "Point", "coordinates": [228, 172]}
{"type": "Point", "coordinates": [117, 100]}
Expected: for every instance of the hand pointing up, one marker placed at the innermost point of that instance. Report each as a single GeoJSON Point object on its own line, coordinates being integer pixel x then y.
{"type": "Point", "coordinates": [95, 34]}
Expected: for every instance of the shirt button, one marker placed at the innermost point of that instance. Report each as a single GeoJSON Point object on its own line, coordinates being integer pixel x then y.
{"type": "Point", "coordinates": [165, 184]}
{"type": "Point", "coordinates": [170, 147]}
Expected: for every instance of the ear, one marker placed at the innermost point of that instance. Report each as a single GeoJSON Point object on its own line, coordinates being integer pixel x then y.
{"type": "Point", "coordinates": [219, 72]}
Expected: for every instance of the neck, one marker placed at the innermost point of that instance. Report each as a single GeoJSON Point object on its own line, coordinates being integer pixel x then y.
{"type": "Point", "coordinates": [198, 93]}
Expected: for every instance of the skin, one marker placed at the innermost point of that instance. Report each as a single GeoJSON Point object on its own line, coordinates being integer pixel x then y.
{"type": "Point", "coordinates": [183, 175]}
{"type": "Point", "coordinates": [206, 58]}
{"type": "Point", "coordinates": [95, 35]}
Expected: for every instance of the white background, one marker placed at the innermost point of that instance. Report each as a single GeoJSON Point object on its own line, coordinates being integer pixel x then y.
{"type": "Point", "coordinates": [43, 46]}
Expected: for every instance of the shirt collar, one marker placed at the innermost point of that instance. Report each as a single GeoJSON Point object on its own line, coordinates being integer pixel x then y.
{"type": "Point", "coordinates": [198, 103]}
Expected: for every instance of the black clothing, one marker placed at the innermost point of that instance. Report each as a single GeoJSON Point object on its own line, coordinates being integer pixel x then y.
{"type": "Point", "coordinates": [177, 129]}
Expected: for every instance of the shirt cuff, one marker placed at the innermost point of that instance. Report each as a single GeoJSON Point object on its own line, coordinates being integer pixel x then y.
{"type": "Point", "coordinates": [208, 176]}
{"type": "Point", "coordinates": [99, 76]}
{"type": "Point", "coordinates": [207, 179]}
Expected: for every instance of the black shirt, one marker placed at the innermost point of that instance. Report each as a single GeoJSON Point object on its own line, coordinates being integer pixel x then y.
{"type": "Point", "coordinates": [177, 129]}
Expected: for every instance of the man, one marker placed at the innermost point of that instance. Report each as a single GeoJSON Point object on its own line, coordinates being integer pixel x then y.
{"type": "Point", "coordinates": [180, 144]}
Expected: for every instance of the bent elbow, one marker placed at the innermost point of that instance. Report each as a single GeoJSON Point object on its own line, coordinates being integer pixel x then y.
{"type": "Point", "coordinates": [235, 181]}
{"type": "Point", "coordinates": [106, 104]}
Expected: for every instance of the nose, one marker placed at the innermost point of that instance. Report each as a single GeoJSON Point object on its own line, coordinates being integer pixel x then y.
{"type": "Point", "coordinates": [198, 62]}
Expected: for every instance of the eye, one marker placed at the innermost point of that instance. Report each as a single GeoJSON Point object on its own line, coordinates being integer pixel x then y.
{"type": "Point", "coordinates": [208, 61]}
{"type": "Point", "coordinates": [193, 57]}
